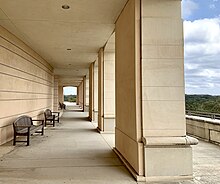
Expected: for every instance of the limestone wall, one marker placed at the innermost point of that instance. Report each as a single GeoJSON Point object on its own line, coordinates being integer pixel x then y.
{"type": "Point", "coordinates": [56, 94]}
{"type": "Point", "coordinates": [26, 83]}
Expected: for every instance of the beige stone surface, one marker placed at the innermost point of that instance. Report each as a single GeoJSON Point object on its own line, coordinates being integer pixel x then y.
{"type": "Point", "coordinates": [95, 111]}
{"type": "Point", "coordinates": [164, 121]}
{"type": "Point", "coordinates": [100, 89]}
{"type": "Point", "coordinates": [107, 82]}
{"type": "Point", "coordinates": [130, 149]}
{"type": "Point", "coordinates": [128, 129]}
{"type": "Point", "coordinates": [60, 94]}
{"type": "Point", "coordinates": [162, 69]}
{"type": "Point", "coordinates": [163, 102]}
{"type": "Point", "coordinates": [26, 83]}
{"type": "Point", "coordinates": [84, 94]}
{"type": "Point", "coordinates": [168, 162]}
{"type": "Point", "coordinates": [87, 89]}
{"type": "Point", "coordinates": [205, 128]}
{"type": "Point", "coordinates": [91, 91]}
{"type": "Point", "coordinates": [81, 95]}
{"type": "Point", "coordinates": [56, 93]}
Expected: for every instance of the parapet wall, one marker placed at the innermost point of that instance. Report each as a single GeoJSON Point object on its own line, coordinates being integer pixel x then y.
{"type": "Point", "coordinates": [205, 128]}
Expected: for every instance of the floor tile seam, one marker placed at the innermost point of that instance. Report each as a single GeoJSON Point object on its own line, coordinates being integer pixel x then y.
{"type": "Point", "coordinates": [106, 142]}
{"type": "Point", "coordinates": [75, 158]}
{"type": "Point", "coordinates": [76, 166]}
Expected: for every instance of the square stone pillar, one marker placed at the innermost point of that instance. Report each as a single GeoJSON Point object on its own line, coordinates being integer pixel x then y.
{"type": "Point", "coordinates": [77, 96]}
{"type": "Point", "coordinates": [91, 92]}
{"type": "Point", "coordinates": [106, 66]}
{"type": "Point", "coordinates": [95, 110]}
{"type": "Point", "coordinates": [60, 94]}
{"type": "Point", "coordinates": [86, 93]}
{"type": "Point", "coordinates": [81, 95]}
{"type": "Point", "coordinates": [150, 108]}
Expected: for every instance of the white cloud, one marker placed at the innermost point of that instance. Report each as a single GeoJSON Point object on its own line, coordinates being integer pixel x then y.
{"type": "Point", "coordinates": [188, 7]}
{"type": "Point", "coordinates": [212, 6]}
{"type": "Point", "coordinates": [202, 56]}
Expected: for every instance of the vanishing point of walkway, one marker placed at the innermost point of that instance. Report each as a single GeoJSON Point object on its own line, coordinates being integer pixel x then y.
{"type": "Point", "coordinates": [73, 152]}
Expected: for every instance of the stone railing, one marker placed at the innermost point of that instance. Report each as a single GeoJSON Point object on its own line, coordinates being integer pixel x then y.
{"type": "Point", "coordinates": [205, 126]}
{"type": "Point", "coordinates": [203, 114]}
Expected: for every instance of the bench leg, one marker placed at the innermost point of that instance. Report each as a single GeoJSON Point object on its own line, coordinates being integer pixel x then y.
{"type": "Point", "coordinates": [28, 139]}
{"type": "Point", "coordinates": [42, 131]}
{"type": "Point", "coordinates": [28, 136]}
{"type": "Point", "coordinates": [14, 140]}
{"type": "Point", "coordinates": [53, 122]}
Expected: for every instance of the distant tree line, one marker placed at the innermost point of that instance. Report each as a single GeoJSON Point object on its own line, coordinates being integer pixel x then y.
{"type": "Point", "coordinates": [70, 98]}
{"type": "Point", "coordinates": [203, 103]}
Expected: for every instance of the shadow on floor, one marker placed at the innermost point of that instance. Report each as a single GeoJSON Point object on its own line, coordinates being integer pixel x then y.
{"type": "Point", "coordinates": [74, 119]}
{"type": "Point", "coordinates": [73, 110]}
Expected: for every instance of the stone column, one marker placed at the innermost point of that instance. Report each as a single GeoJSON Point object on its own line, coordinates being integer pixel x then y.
{"type": "Point", "coordinates": [86, 93]}
{"type": "Point", "coordinates": [60, 94]}
{"type": "Point", "coordinates": [95, 110]}
{"type": "Point", "coordinates": [91, 92]}
{"type": "Point", "coordinates": [55, 94]}
{"type": "Point", "coordinates": [150, 115]}
{"type": "Point", "coordinates": [81, 95]}
{"type": "Point", "coordinates": [77, 96]}
{"type": "Point", "coordinates": [106, 93]}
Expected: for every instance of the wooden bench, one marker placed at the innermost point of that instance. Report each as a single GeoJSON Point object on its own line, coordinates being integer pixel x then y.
{"type": "Point", "coordinates": [62, 106]}
{"type": "Point", "coordinates": [23, 126]}
{"type": "Point", "coordinates": [51, 117]}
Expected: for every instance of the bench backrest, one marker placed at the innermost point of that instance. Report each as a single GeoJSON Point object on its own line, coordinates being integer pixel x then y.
{"type": "Point", "coordinates": [47, 113]}
{"type": "Point", "coordinates": [22, 121]}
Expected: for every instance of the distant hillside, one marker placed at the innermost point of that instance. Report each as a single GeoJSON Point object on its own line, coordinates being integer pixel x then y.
{"type": "Point", "coordinates": [204, 103]}
{"type": "Point", "coordinates": [70, 98]}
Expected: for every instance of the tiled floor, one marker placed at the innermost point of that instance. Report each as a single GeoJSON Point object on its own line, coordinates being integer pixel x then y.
{"type": "Point", "coordinates": [73, 152]}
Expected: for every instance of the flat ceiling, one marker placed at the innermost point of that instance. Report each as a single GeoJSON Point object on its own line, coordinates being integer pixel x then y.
{"type": "Point", "coordinates": [50, 30]}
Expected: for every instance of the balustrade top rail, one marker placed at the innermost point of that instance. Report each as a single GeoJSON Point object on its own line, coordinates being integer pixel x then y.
{"type": "Point", "coordinates": [203, 114]}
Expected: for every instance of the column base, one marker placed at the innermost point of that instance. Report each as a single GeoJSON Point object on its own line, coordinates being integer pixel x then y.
{"type": "Point", "coordinates": [86, 108]}
{"type": "Point", "coordinates": [168, 158]}
{"type": "Point", "coordinates": [95, 116]}
{"type": "Point", "coordinates": [108, 126]}
{"type": "Point", "coordinates": [137, 177]}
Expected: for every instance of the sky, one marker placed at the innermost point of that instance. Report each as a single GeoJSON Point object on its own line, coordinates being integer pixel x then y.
{"type": "Point", "coordinates": [202, 46]}
{"type": "Point", "coordinates": [69, 90]}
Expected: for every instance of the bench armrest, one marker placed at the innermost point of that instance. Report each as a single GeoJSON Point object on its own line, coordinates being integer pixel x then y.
{"type": "Point", "coordinates": [39, 121]}
{"type": "Point", "coordinates": [55, 112]}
